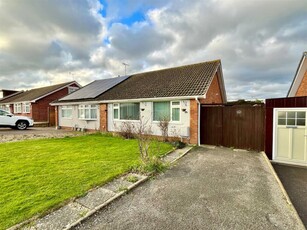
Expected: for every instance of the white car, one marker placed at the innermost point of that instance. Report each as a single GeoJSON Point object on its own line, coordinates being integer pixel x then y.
{"type": "Point", "coordinates": [10, 120]}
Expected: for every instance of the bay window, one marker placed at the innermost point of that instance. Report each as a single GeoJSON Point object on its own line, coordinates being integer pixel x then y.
{"type": "Point", "coordinates": [87, 112]}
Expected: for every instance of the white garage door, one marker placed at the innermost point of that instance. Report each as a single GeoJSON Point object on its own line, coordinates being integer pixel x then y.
{"type": "Point", "coordinates": [290, 136]}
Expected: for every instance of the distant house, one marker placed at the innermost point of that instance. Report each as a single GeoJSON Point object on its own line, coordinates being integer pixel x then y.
{"type": "Point", "coordinates": [299, 83]}
{"type": "Point", "coordinates": [6, 93]}
{"type": "Point", "coordinates": [81, 109]}
{"type": "Point", "coordinates": [35, 102]}
{"type": "Point", "coordinates": [174, 94]}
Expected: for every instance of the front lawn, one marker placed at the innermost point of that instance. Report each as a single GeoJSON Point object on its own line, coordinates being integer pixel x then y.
{"type": "Point", "coordinates": [36, 175]}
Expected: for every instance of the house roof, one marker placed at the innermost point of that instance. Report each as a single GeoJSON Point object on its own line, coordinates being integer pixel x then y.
{"type": "Point", "coordinates": [189, 80]}
{"type": "Point", "coordinates": [299, 75]}
{"type": "Point", "coordinates": [94, 89]}
{"type": "Point", "coordinates": [35, 94]}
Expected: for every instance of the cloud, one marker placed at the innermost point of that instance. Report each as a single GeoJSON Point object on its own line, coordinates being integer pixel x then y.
{"type": "Point", "coordinates": [259, 42]}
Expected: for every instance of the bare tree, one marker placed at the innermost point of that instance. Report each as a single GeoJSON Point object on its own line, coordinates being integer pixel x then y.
{"type": "Point", "coordinates": [163, 125]}
{"type": "Point", "coordinates": [143, 134]}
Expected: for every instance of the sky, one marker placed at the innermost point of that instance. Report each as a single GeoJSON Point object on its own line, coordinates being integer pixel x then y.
{"type": "Point", "coordinates": [259, 42]}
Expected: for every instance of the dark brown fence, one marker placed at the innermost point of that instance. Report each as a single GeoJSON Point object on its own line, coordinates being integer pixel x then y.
{"type": "Point", "coordinates": [233, 126]}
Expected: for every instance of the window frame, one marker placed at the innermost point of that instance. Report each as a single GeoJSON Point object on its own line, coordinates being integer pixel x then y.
{"type": "Point", "coordinates": [89, 109]}
{"type": "Point", "coordinates": [17, 107]}
{"type": "Point", "coordinates": [116, 107]}
{"type": "Point", "coordinates": [295, 118]}
{"type": "Point", "coordinates": [119, 112]}
{"type": "Point", "coordinates": [26, 107]}
{"type": "Point", "coordinates": [171, 110]}
{"type": "Point", "coordinates": [66, 107]}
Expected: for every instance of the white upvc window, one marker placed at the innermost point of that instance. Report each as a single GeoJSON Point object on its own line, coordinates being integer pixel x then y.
{"type": "Point", "coordinates": [166, 110]}
{"type": "Point", "coordinates": [115, 111]}
{"type": "Point", "coordinates": [129, 111]}
{"type": "Point", "coordinates": [26, 107]}
{"type": "Point", "coordinates": [66, 111]}
{"type": "Point", "coordinates": [17, 108]}
{"type": "Point", "coordinates": [5, 107]}
{"type": "Point", "coordinates": [87, 112]}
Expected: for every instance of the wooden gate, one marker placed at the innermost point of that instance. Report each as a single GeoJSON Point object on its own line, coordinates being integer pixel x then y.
{"type": "Point", "coordinates": [233, 126]}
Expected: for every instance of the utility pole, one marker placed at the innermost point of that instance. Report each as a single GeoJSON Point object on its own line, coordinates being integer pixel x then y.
{"type": "Point", "coordinates": [125, 64]}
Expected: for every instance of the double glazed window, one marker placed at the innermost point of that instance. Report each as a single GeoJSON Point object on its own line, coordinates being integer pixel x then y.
{"type": "Point", "coordinates": [292, 118]}
{"type": "Point", "coordinates": [126, 111]}
{"type": "Point", "coordinates": [87, 112]}
{"type": "Point", "coordinates": [26, 107]}
{"type": "Point", "coordinates": [17, 108]}
{"type": "Point", "coordinates": [166, 110]}
{"type": "Point", "coordinates": [66, 111]}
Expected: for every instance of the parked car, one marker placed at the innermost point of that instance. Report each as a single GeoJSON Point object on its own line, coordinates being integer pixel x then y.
{"type": "Point", "coordinates": [16, 122]}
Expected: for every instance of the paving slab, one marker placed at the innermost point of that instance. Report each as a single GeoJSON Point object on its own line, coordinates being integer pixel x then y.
{"type": "Point", "coordinates": [96, 197]}
{"type": "Point", "coordinates": [60, 218]}
{"type": "Point", "coordinates": [118, 185]}
{"type": "Point", "coordinates": [207, 189]}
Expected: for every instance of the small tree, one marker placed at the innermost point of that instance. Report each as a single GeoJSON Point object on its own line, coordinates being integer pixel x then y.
{"type": "Point", "coordinates": [127, 130]}
{"type": "Point", "coordinates": [163, 125]}
{"type": "Point", "coordinates": [143, 134]}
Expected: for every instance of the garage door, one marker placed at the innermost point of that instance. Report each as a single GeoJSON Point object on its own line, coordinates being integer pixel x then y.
{"type": "Point", "coordinates": [290, 142]}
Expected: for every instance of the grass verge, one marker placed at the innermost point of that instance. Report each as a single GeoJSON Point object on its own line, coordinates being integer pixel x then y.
{"type": "Point", "coordinates": [37, 175]}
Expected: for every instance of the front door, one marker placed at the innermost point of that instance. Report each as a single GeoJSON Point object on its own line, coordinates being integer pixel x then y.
{"type": "Point", "coordinates": [290, 144]}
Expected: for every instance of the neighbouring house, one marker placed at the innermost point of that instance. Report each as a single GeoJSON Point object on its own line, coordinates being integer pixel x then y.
{"type": "Point", "coordinates": [174, 94]}
{"type": "Point", "coordinates": [5, 93]}
{"type": "Point", "coordinates": [299, 83]}
{"type": "Point", "coordinates": [81, 110]}
{"type": "Point", "coordinates": [35, 103]}
{"type": "Point", "coordinates": [286, 122]}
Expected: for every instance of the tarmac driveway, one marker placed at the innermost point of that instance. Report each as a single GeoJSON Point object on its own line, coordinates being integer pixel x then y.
{"type": "Point", "coordinates": [207, 189]}
{"type": "Point", "coordinates": [294, 180]}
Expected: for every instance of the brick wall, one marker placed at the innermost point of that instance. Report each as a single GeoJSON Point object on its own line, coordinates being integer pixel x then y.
{"type": "Point", "coordinates": [193, 121]}
{"type": "Point", "coordinates": [213, 95]}
{"type": "Point", "coordinates": [103, 117]}
{"type": "Point", "coordinates": [41, 107]}
{"type": "Point", "coordinates": [302, 89]}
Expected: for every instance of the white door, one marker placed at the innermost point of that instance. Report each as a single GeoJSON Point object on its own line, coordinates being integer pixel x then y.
{"type": "Point", "coordinates": [290, 142]}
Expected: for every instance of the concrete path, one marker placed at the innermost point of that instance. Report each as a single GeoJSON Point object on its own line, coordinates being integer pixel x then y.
{"type": "Point", "coordinates": [294, 180]}
{"type": "Point", "coordinates": [208, 189]}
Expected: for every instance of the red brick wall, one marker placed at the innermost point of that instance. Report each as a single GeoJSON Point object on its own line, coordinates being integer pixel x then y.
{"type": "Point", "coordinates": [193, 121]}
{"type": "Point", "coordinates": [302, 89]}
{"type": "Point", "coordinates": [41, 107]}
{"type": "Point", "coordinates": [103, 117]}
{"type": "Point", "coordinates": [214, 95]}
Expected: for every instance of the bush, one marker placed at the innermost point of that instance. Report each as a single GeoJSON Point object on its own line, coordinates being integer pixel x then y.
{"type": "Point", "coordinates": [179, 144]}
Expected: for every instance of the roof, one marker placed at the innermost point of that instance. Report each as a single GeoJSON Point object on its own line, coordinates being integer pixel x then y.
{"type": "Point", "coordinates": [35, 94]}
{"type": "Point", "coordinates": [299, 74]}
{"type": "Point", "coordinates": [94, 89]}
{"type": "Point", "coordinates": [189, 80]}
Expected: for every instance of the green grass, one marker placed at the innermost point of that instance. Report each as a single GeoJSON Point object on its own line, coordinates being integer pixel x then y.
{"type": "Point", "coordinates": [36, 175]}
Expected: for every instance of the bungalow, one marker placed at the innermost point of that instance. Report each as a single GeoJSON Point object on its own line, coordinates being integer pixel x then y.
{"type": "Point", "coordinates": [174, 94]}
{"type": "Point", "coordinates": [35, 102]}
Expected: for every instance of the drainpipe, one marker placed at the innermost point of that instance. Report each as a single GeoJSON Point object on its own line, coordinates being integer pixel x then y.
{"type": "Point", "coordinates": [198, 121]}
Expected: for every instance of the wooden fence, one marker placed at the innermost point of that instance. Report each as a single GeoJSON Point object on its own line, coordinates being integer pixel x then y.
{"type": "Point", "coordinates": [240, 127]}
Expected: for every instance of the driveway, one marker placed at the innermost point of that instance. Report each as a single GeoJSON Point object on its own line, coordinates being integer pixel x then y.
{"type": "Point", "coordinates": [207, 189]}
{"type": "Point", "coordinates": [8, 135]}
{"type": "Point", "coordinates": [294, 180]}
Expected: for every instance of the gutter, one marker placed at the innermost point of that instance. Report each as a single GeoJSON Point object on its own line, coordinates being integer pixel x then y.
{"type": "Point", "coordinates": [198, 120]}
{"type": "Point", "coordinates": [126, 100]}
